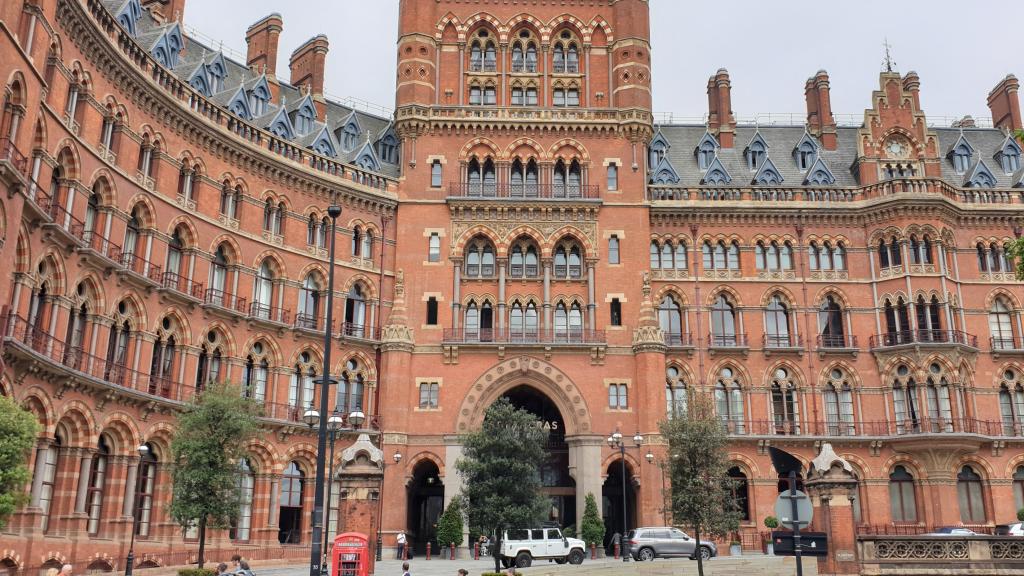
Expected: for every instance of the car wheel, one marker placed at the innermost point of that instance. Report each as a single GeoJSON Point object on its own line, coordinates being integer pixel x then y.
{"type": "Point", "coordinates": [560, 560]}
{"type": "Point", "coordinates": [645, 555]}
{"type": "Point", "coordinates": [523, 560]}
{"type": "Point", "coordinates": [705, 553]}
{"type": "Point", "coordinates": [576, 557]}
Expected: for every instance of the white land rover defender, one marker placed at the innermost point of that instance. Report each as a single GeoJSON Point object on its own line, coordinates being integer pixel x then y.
{"type": "Point", "coordinates": [521, 547]}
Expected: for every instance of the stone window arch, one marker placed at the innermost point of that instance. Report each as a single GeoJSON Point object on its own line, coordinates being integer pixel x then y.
{"type": "Point", "coordinates": [729, 400]}
{"type": "Point", "coordinates": [837, 395]}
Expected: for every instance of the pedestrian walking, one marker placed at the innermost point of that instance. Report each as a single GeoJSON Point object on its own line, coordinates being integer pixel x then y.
{"type": "Point", "coordinates": [405, 569]}
{"type": "Point", "coordinates": [65, 570]}
{"type": "Point", "coordinates": [244, 569]}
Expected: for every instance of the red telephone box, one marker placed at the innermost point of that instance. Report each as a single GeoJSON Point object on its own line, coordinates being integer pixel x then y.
{"type": "Point", "coordinates": [351, 555]}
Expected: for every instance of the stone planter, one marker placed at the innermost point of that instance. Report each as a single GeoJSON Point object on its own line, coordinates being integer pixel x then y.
{"type": "Point", "coordinates": [735, 550]}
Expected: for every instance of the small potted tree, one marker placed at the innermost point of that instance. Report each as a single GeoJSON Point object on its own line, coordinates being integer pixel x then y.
{"type": "Point", "coordinates": [735, 545]}
{"type": "Point", "coordinates": [771, 523]}
{"type": "Point", "coordinates": [592, 526]}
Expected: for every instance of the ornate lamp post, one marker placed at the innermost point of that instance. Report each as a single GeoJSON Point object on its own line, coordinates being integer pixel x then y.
{"type": "Point", "coordinates": [380, 508]}
{"type": "Point", "coordinates": [316, 558]}
{"type": "Point", "coordinates": [130, 561]}
{"type": "Point", "coordinates": [616, 441]}
{"type": "Point", "coordinates": [335, 424]}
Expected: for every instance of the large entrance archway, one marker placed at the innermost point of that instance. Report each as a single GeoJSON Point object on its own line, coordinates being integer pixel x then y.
{"type": "Point", "coordinates": [612, 500]}
{"type": "Point", "coordinates": [424, 505]}
{"type": "Point", "coordinates": [559, 486]}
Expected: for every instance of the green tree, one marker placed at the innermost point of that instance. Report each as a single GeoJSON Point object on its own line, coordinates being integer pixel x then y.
{"type": "Point", "coordinates": [449, 526]}
{"type": "Point", "coordinates": [500, 471]}
{"type": "Point", "coordinates": [592, 526]}
{"type": "Point", "coordinates": [699, 471]}
{"type": "Point", "coordinates": [210, 440]}
{"type": "Point", "coordinates": [18, 431]}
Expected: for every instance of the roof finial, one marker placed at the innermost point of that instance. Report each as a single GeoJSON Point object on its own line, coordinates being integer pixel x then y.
{"type": "Point", "coordinates": [890, 65]}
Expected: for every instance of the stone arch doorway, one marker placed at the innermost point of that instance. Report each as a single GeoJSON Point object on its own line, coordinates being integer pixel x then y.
{"type": "Point", "coordinates": [425, 502]}
{"type": "Point", "coordinates": [612, 501]}
{"type": "Point", "coordinates": [558, 484]}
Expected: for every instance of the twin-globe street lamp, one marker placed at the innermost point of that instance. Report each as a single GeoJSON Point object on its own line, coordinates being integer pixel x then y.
{"type": "Point", "coordinates": [130, 561]}
{"type": "Point", "coordinates": [616, 441]}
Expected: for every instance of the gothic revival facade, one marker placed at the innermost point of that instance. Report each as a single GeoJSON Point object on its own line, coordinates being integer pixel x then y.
{"type": "Point", "coordinates": [520, 227]}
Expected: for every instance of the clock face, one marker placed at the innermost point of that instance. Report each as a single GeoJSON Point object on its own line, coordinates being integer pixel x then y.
{"type": "Point", "coordinates": [897, 149]}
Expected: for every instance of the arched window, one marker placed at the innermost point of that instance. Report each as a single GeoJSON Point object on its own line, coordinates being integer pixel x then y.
{"type": "Point", "coordinates": [1018, 488]}
{"type": "Point", "coordinates": [480, 259]}
{"type": "Point", "coordinates": [117, 351]}
{"type": "Point", "coordinates": [740, 492]}
{"type": "Point", "coordinates": [670, 318]}
{"type": "Point", "coordinates": [940, 409]}
{"type": "Point", "coordinates": [367, 251]}
{"type": "Point", "coordinates": [666, 254]}
{"type": "Point", "coordinates": [897, 323]}
{"type": "Point", "coordinates": [929, 325]}
{"type": "Point", "coordinates": [97, 485]}
{"type": "Point", "coordinates": [263, 291]}
{"type": "Point", "coordinates": [350, 388]}
{"type": "Point", "coordinates": [838, 399]}
{"type": "Point", "coordinates": [241, 527]}
{"type": "Point", "coordinates": [289, 523]}
{"type": "Point", "coordinates": [218, 276]}
{"type": "Point", "coordinates": [785, 408]}
{"type": "Point", "coordinates": [969, 495]}
{"type": "Point", "coordinates": [91, 214]}
{"type": "Point", "coordinates": [729, 401]}
{"type": "Point", "coordinates": [776, 322]}
{"type": "Point", "coordinates": [227, 201]}
{"type": "Point", "coordinates": [131, 238]}
{"type": "Point", "coordinates": [257, 370]}
{"type": "Point", "coordinates": [303, 379]}
{"type": "Point", "coordinates": [902, 496]}
{"type": "Point", "coordinates": [357, 240]}
{"type": "Point", "coordinates": [309, 304]}
{"type": "Point", "coordinates": [162, 369]}
{"type": "Point", "coordinates": [172, 273]}
{"type": "Point", "coordinates": [47, 477]}
{"type": "Point", "coordinates": [568, 261]}
{"type": "Point", "coordinates": [676, 393]}
{"type": "Point", "coordinates": [905, 402]}
{"type": "Point", "coordinates": [655, 255]}
{"type": "Point", "coordinates": [1011, 403]}
{"type": "Point", "coordinates": [355, 312]}
{"type": "Point", "coordinates": [324, 232]}
{"type": "Point", "coordinates": [145, 486]}
{"type": "Point", "coordinates": [723, 323]}
{"type": "Point", "coordinates": [210, 361]}
{"type": "Point", "coordinates": [681, 259]}
{"type": "Point", "coordinates": [831, 326]}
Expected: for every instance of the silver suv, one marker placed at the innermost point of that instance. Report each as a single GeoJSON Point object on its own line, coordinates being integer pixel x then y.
{"type": "Point", "coordinates": [666, 542]}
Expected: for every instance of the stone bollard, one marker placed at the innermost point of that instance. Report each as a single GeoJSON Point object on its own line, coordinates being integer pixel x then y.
{"type": "Point", "coordinates": [429, 546]}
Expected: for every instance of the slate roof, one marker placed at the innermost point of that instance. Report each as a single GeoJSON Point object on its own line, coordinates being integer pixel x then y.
{"type": "Point", "coordinates": [986, 142]}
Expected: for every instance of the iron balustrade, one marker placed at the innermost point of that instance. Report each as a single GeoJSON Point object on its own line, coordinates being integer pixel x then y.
{"type": "Point", "coordinates": [1006, 343]}
{"type": "Point", "coordinates": [361, 331]}
{"type": "Point", "coordinates": [271, 313]}
{"type": "Point", "coordinates": [183, 285]}
{"type": "Point", "coordinates": [678, 340]}
{"type": "Point", "coordinates": [215, 297]}
{"type": "Point", "coordinates": [782, 341]}
{"type": "Point", "coordinates": [523, 336]}
{"type": "Point", "coordinates": [65, 220]}
{"type": "Point", "coordinates": [141, 267]}
{"type": "Point", "coordinates": [524, 191]}
{"type": "Point", "coordinates": [848, 341]}
{"type": "Point", "coordinates": [869, 428]}
{"type": "Point", "coordinates": [902, 337]}
{"type": "Point", "coordinates": [99, 244]}
{"type": "Point", "coordinates": [10, 153]}
{"type": "Point", "coordinates": [308, 321]}
{"type": "Point", "coordinates": [727, 341]}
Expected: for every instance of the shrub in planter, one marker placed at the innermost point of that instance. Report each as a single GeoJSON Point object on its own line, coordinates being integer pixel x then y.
{"type": "Point", "coordinates": [771, 522]}
{"type": "Point", "coordinates": [1020, 514]}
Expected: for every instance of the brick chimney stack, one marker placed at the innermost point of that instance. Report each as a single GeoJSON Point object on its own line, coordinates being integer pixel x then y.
{"type": "Point", "coordinates": [261, 57]}
{"type": "Point", "coordinates": [1005, 104]}
{"type": "Point", "coordinates": [307, 67]}
{"type": "Point", "coordinates": [912, 84]}
{"type": "Point", "coordinates": [820, 121]}
{"type": "Point", "coordinates": [721, 120]}
{"type": "Point", "coordinates": [166, 10]}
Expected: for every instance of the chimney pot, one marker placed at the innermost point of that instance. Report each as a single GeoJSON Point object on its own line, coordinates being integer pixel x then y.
{"type": "Point", "coordinates": [1004, 103]}
{"type": "Point", "coordinates": [820, 121]}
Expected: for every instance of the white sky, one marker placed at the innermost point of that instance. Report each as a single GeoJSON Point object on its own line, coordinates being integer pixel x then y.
{"type": "Point", "coordinates": [960, 49]}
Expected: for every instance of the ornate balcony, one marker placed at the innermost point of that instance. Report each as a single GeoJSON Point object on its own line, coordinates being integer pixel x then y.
{"type": "Point", "coordinates": [923, 338]}
{"type": "Point", "coordinates": [567, 337]}
{"type": "Point", "coordinates": [183, 286]}
{"type": "Point", "coordinates": [894, 430]}
{"type": "Point", "coordinates": [225, 301]}
{"type": "Point", "coordinates": [258, 312]}
{"type": "Point", "coordinates": [507, 191]}
{"type": "Point", "coordinates": [678, 340]}
{"type": "Point", "coordinates": [359, 331]}
{"type": "Point", "coordinates": [728, 342]}
{"type": "Point", "coordinates": [837, 344]}
{"type": "Point", "coordinates": [1006, 344]}
{"type": "Point", "coordinates": [783, 342]}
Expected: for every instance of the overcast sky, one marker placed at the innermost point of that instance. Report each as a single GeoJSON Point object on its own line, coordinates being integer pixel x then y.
{"type": "Point", "coordinates": [959, 49]}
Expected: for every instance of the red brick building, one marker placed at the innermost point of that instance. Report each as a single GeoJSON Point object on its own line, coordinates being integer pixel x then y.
{"type": "Point", "coordinates": [521, 227]}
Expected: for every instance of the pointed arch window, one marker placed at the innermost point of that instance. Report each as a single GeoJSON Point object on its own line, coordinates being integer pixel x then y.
{"type": "Point", "coordinates": [969, 495]}
{"type": "Point", "coordinates": [131, 238]}
{"type": "Point", "coordinates": [902, 496]}
{"type": "Point", "coordinates": [1018, 488]}
{"type": "Point", "coordinates": [897, 323]}
{"type": "Point", "coordinates": [254, 379]}
{"type": "Point", "coordinates": [921, 251]}
{"type": "Point", "coordinates": [309, 304]}
{"type": "Point", "coordinates": [293, 483]}
{"type": "Point", "coordinates": [351, 387]}
{"type": "Point", "coordinates": [777, 323]}
{"type": "Point", "coordinates": [723, 323]}
{"type": "Point", "coordinates": [740, 492]}
{"type": "Point", "coordinates": [905, 403]}
{"type": "Point", "coordinates": [302, 383]}
{"type": "Point", "coordinates": [729, 401]}
{"type": "Point", "coordinates": [91, 214]}
{"type": "Point", "coordinates": [145, 491]}
{"type": "Point", "coordinates": [209, 364]}
{"type": "Point", "coordinates": [117, 352]}
{"type": "Point", "coordinates": [355, 312]}
{"type": "Point", "coordinates": [263, 291]}
{"type": "Point", "coordinates": [676, 393]}
{"type": "Point", "coordinates": [218, 276]}
{"type": "Point", "coordinates": [480, 259]}
{"type": "Point", "coordinates": [838, 400]}
{"type": "Point", "coordinates": [1000, 326]}
{"type": "Point", "coordinates": [161, 371]}
{"type": "Point", "coordinates": [46, 469]}
{"type": "Point", "coordinates": [940, 410]}
{"type": "Point", "coordinates": [785, 407]}
{"type": "Point", "coordinates": [831, 325]}
{"type": "Point", "coordinates": [1011, 403]}
{"type": "Point", "coordinates": [670, 319]}
{"type": "Point", "coordinates": [97, 485]}
{"type": "Point", "coordinates": [241, 527]}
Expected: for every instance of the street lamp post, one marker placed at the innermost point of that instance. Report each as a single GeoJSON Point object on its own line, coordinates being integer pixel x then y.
{"type": "Point", "coordinates": [130, 561]}
{"type": "Point", "coordinates": [316, 550]}
{"type": "Point", "coordinates": [664, 497]}
{"type": "Point", "coordinates": [380, 506]}
{"type": "Point", "coordinates": [616, 441]}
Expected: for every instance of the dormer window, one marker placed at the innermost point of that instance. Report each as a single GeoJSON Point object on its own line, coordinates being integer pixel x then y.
{"type": "Point", "coordinates": [756, 152]}
{"type": "Point", "coordinates": [706, 154]}
{"type": "Point", "coordinates": [304, 120]}
{"type": "Point", "coordinates": [350, 137]}
{"type": "Point", "coordinates": [805, 153]}
{"type": "Point", "coordinates": [961, 154]}
{"type": "Point", "coordinates": [1009, 156]}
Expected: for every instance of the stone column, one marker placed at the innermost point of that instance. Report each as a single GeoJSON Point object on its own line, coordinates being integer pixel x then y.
{"type": "Point", "coordinates": [832, 486]}
{"type": "Point", "coordinates": [457, 298]}
{"type": "Point", "coordinates": [501, 295]}
{"type": "Point", "coordinates": [585, 469]}
{"type": "Point", "coordinates": [547, 294]}
{"type": "Point", "coordinates": [83, 481]}
{"type": "Point", "coordinates": [591, 300]}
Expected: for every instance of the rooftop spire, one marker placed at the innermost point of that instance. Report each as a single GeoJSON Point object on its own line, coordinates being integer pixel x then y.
{"type": "Point", "coordinates": [889, 63]}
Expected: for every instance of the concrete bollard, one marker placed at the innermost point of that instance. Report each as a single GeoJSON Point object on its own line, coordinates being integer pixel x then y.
{"type": "Point", "coordinates": [453, 551]}
{"type": "Point", "coordinates": [616, 551]}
